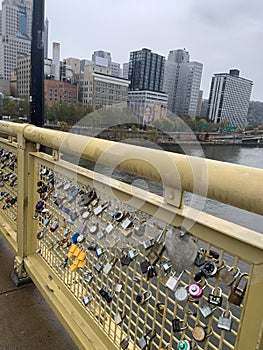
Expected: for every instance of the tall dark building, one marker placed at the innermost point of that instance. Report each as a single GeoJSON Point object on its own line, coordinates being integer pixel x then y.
{"type": "Point", "coordinates": [146, 70]}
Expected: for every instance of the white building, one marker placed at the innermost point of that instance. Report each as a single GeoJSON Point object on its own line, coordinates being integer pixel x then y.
{"type": "Point", "coordinates": [229, 99]}
{"type": "Point", "coordinates": [97, 87]}
{"type": "Point", "coordinates": [182, 80]}
{"type": "Point", "coordinates": [15, 36]}
{"type": "Point", "coordinates": [103, 59]}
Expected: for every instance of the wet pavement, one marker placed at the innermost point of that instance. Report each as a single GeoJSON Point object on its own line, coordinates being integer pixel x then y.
{"type": "Point", "coordinates": [26, 322]}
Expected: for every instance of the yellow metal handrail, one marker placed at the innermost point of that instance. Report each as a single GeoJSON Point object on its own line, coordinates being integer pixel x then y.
{"type": "Point", "coordinates": [93, 326]}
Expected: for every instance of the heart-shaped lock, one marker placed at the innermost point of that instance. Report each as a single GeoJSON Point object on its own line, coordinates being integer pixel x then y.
{"type": "Point", "coordinates": [181, 248]}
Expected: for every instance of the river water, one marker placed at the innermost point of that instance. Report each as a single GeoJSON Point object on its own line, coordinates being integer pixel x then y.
{"type": "Point", "coordinates": [252, 157]}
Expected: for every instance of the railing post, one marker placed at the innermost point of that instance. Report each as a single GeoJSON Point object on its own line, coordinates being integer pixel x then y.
{"type": "Point", "coordinates": [19, 275]}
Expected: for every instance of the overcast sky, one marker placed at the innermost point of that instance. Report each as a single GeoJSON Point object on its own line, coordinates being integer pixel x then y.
{"type": "Point", "coordinates": [221, 34]}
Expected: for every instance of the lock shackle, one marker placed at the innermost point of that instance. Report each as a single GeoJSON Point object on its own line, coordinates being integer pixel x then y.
{"type": "Point", "coordinates": [144, 298]}
{"type": "Point", "coordinates": [217, 289]}
{"type": "Point", "coordinates": [227, 313]}
{"type": "Point", "coordinates": [160, 308]}
{"type": "Point", "coordinates": [184, 327]}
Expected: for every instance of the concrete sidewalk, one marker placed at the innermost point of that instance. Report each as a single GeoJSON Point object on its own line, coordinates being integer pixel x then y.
{"type": "Point", "coordinates": [26, 322]}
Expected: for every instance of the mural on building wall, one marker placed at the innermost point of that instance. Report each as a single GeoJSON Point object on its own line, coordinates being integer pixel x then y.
{"type": "Point", "coordinates": [148, 111]}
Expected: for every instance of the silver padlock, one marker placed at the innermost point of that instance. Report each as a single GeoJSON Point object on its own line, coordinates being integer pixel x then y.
{"type": "Point", "coordinates": [206, 310]}
{"type": "Point", "coordinates": [225, 322]}
{"type": "Point", "coordinates": [173, 281]}
{"type": "Point", "coordinates": [143, 298]}
{"type": "Point", "coordinates": [87, 299]}
{"type": "Point", "coordinates": [181, 294]}
{"type": "Point", "coordinates": [144, 342]}
{"type": "Point", "coordinates": [119, 317]}
{"type": "Point", "coordinates": [126, 223]}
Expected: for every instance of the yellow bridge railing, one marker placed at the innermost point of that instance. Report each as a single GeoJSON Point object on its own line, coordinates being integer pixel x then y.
{"type": "Point", "coordinates": [98, 249]}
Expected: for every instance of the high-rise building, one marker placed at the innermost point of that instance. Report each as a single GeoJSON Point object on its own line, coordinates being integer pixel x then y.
{"type": "Point", "coordinates": [103, 59]}
{"type": "Point", "coordinates": [229, 99]}
{"type": "Point", "coordinates": [56, 61]}
{"type": "Point", "coordinates": [97, 87]}
{"type": "Point", "coordinates": [125, 70]}
{"type": "Point", "coordinates": [182, 80]}
{"type": "Point", "coordinates": [146, 70]}
{"type": "Point", "coordinates": [15, 37]}
{"type": "Point", "coordinates": [46, 38]}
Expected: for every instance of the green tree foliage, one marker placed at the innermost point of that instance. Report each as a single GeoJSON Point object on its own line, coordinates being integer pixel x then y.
{"type": "Point", "coordinates": [255, 113]}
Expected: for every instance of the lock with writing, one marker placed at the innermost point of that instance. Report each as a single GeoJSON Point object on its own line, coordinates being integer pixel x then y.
{"type": "Point", "coordinates": [177, 325]}
{"type": "Point", "coordinates": [206, 309]}
{"type": "Point", "coordinates": [173, 281]}
{"type": "Point", "coordinates": [146, 339]}
{"type": "Point", "coordinates": [156, 250]}
{"type": "Point", "coordinates": [225, 322]}
{"type": "Point", "coordinates": [237, 294]}
{"type": "Point", "coordinates": [228, 276]}
{"type": "Point", "coordinates": [215, 299]}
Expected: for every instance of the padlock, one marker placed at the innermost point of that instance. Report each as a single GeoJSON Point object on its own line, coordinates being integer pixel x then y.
{"type": "Point", "coordinates": [186, 345]}
{"type": "Point", "coordinates": [206, 310]}
{"type": "Point", "coordinates": [236, 295]}
{"type": "Point", "coordinates": [181, 294]}
{"type": "Point", "coordinates": [209, 268]}
{"type": "Point", "coordinates": [125, 343]}
{"type": "Point", "coordinates": [127, 223]}
{"type": "Point", "coordinates": [173, 281]}
{"type": "Point", "coordinates": [199, 333]}
{"type": "Point", "coordinates": [144, 342]}
{"type": "Point", "coordinates": [225, 322]}
{"type": "Point", "coordinates": [54, 226]}
{"type": "Point", "coordinates": [228, 276]}
{"type": "Point", "coordinates": [100, 208]}
{"type": "Point", "coordinates": [88, 276]}
{"type": "Point", "coordinates": [215, 299]}
{"type": "Point", "coordinates": [144, 266]}
{"type": "Point", "coordinates": [160, 307]}
{"type": "Point", "coordinates": [98, 267]}
{"type": "Point", "coordinates": [142, 298]}
{"type": "Point", "coordinates": [148, 243]}
{"type": "Point", "coordinates": [119, 317]}
{"type": "Point", "coordinates": [94, 229]}
{"type": "Point", "coordinates": [156, 250]}
{"type": "Point", "coordinates": [99, 252]}
{"type": "Point", "coordinates": [118, 287]}
{"type": "Point", "coordinates": [87, 299]}
{"type": "Point", "coordinates": [109, 266]}
{"type": "Point", "coordinates": [176, 324]}
{"type": "Point", "coordinates": [151, 272]}
{"type": "Point", "coordinates": [118, 216]}
{"type": "Point", "coordinates": [109, 228]}
{"type": "Point", "coordinates": [200, 258]}
{"type": "Point", "coordinates": [132, 254]}
{"type": "Point", "coordinates": [125, 259]}
{"type": "Point", "coordinates": [195, 290]}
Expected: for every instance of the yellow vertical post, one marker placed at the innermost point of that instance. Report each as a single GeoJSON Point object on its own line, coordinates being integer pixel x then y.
{"type": "Point", "coordinates": [19, 274]}
{"type": "Point", "coordinates": [251, 321]}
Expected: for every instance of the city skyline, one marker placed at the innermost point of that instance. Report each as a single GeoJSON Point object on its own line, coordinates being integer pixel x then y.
{"type": "Point", "coordinates": [221, 40]}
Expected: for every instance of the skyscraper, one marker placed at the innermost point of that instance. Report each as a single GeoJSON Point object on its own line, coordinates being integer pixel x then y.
{"type": "Point", "coordinates": [229, 99]}
{"type": "Point", "coordinates": [182, 80]}
{"type": "Point", "coordinates": [146, 70]}
{"type": "Point", "coordinates": [15, 37]}
{"type": "Point", "coordinates": [46, 24]}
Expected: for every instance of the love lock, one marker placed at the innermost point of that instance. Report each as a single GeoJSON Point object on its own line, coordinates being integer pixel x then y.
{"type": "Point", "coordinates": [205, 309]}
{"type": "Point", "coordinates": [225, 322]}
{"type": "Point", "coordinates": [236, 295]}
{"type": "Point", "coordinates": [119, 317]}
{"type": "Point", "coordinates": [144, 342]}
{"type": "Point", "coordinates": [199, 333]}
{"type": "Point", "coordinates": [195, 290]}
{"type": "Point", "coordinates": [228, 276]}
{"type": "Point", "coordinates": [176, 324]}
{"type": "Point", "coordinates": [215, 299]}
{"type": "Point", "coordinates": [125, 343]}
{"type": "Point", "coordinates": [173, 281]}
{"type": "Point", "coordinates": [181, 294]}
{"type": "Point", "coordinates": [209, 268]}
{"type": "Point", "coordinates": [186, 345]}
{"type": "Point", "coordinates": [143, 298]}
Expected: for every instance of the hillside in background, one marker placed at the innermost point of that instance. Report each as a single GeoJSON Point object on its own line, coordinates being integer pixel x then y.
{"type": "Point", "coordinates": [255, 113]}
